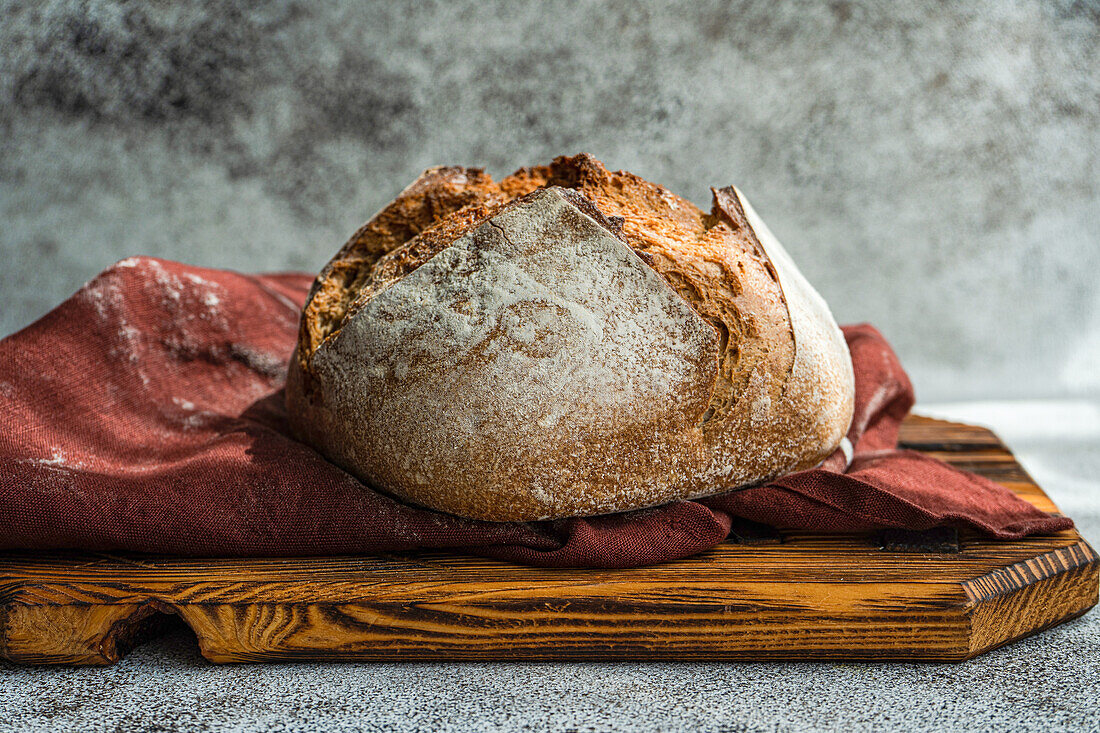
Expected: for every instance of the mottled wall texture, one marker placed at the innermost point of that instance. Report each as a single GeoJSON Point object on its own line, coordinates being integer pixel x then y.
{"type": "Point", "coordinates": [933, 167]}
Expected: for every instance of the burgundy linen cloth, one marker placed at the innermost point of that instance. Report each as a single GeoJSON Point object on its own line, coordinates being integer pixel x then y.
{"type": "Point", "coordinates": [145, 413]}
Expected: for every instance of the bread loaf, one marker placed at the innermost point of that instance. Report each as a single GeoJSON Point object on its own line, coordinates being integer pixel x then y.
{"type": "Point", "coordinates": [566, 342]}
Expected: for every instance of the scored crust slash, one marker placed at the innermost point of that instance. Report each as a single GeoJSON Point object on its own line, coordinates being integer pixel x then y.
{"type": "Point", "coordinates": [568, 341]}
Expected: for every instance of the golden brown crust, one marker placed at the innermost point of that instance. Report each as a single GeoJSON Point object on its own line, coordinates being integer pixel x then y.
{"type": "Point", "coordinates": [433, 197]}
{"type": "Point", "coordinates": [770, 407]}
{"type": "Point", "coordinates": [720, 271]}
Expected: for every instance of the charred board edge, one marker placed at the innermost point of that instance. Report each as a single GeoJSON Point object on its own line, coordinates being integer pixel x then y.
{"type": "Point", "coordinates": [1011, 578]}
{"type": "Point", "coordinates": [391, 632]}
{"type": "Point", "coordinates": [1061, 597]}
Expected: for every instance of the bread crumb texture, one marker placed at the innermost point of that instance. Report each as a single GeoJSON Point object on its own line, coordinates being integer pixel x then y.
{"type": "Point", "coordinates": [568, 341]}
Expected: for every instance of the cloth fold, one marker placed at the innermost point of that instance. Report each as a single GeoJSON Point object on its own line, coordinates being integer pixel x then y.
{"type": "Point", "coordinates": [145, 413]}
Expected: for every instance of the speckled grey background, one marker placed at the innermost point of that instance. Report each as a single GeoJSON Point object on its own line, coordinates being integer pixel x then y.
{"type": "Point", "coordinates": [933, 167]}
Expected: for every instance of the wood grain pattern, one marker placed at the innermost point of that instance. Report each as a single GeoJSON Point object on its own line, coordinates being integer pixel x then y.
{"type": "Point", "coordinates": [808, 596]}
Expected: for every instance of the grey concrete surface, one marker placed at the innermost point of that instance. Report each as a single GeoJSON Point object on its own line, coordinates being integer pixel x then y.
{"type": "Point", "coordinates": [933, 167]}
{"type": "Point", "coordinates": [1046, 683]}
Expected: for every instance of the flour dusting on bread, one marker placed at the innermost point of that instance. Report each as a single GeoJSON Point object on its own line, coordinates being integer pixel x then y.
{"type": "Point", "coordinates": [569, 341]}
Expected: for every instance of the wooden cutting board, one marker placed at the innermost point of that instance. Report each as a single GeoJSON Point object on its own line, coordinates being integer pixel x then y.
{"type": "Point", "coordinates": [935, 596]}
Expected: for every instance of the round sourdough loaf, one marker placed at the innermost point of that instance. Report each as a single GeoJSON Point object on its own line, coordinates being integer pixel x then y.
{"type": "Point", "coordinates": [565, 342]}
